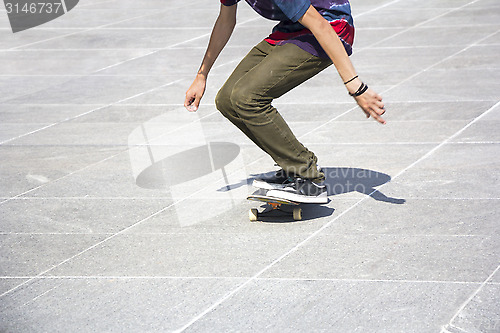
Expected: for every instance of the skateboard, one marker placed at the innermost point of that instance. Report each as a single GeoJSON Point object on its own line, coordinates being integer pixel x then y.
{"type": "Point", "coordinates": [274, 204]}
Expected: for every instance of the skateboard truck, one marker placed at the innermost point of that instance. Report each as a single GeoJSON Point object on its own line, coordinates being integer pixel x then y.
{"type": "Point", "coordinates": [273, 204]}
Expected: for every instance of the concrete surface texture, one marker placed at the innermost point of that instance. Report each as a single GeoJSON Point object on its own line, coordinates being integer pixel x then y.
{"type": "Point", "coordinates": [122, 212]}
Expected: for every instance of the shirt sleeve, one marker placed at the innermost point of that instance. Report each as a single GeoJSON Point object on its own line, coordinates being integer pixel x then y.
{"type": "Point", "coordinates": [293, 9]}
{"type": "Point", "coordinates": [229, 2]}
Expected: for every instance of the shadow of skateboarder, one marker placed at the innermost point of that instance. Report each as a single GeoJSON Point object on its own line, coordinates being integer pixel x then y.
{"type": "Point", "coordinates": [345, 180]}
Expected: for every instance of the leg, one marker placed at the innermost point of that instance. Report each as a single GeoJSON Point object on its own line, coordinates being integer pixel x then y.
{"type": "Point", "coordinates": [223, 98]}
{"type": "Point", "coordinates": [282, 69]}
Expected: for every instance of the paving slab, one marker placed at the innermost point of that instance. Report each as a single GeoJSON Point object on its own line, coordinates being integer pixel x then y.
{"type": "Point", "coordinates": [478, 315]}
{"type": "Point", "coordinates": [97, 89]}
{"type": "Point", "coordinates": [41, 114]}
{"type": "Point", "coordinates": [75, 215]}
{"type": "Point", "coordinates": [13, 87]}
{"type": "Point", "coordinates": [178, 255]}
{"type": "Point", "coordinates": [31, 254]}
{"type": "Point", "coordinates": [63, 62]}
{"type": "Point", "coordinates": [458, 171]}
{"type": "Point", "coordinates": [29, 167]}
{"type": "Point", "coordinates": [391, 257]}
{"type": "Point", "coordinates": [134, 305]}
{"type": "Point", "coordinates": [421, 216]}
{"type": "Point", "coordinates": [336, 306]}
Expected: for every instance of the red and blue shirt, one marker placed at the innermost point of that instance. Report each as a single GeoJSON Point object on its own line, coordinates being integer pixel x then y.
{"type": "Point", "coordinates": [288, 30]}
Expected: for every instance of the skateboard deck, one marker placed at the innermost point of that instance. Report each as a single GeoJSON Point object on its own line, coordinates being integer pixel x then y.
{"type": "Point", "coordinates": [273, 204]}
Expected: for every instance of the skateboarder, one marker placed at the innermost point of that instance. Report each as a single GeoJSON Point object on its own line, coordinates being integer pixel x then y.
{"type": "Point", "coordinates": [310, 36]}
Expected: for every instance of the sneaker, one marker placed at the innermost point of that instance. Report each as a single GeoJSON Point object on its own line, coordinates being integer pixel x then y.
{"type": "Point", "coordinates": [301, 190]}
{"type": "Point", "coordinates": [278, 180]}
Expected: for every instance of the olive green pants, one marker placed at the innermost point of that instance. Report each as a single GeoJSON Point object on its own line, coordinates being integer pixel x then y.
{"type": "Point", "coordinates": [267, 72]}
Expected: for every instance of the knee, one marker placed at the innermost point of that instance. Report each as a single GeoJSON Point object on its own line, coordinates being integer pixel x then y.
{"type": "Point", "coordinates": [242, 98]}
{"type": "Point", "coordinates": [232, 102]}
{"type": "Point", "coordinates": [240, 101]}
{"type": "Point", "coordinates": [223, 101]}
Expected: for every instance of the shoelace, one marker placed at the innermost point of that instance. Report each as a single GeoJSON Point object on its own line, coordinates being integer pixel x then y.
{"type": "Point", "coordinates": [289, 180]}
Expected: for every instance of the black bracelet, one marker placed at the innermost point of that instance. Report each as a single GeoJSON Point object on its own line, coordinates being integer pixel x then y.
{"type": "Point", "coordinates": [361, 90]}
{"type": "Point", "coordinates": [354, 78]}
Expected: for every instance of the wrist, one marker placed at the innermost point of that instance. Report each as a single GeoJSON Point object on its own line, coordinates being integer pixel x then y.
{"type": "Point", "coordinates": [360, 91]}
{"type": "Point", "coordinates": [353, 85]}
{"type": "Point", "coordinates": [201, 75]}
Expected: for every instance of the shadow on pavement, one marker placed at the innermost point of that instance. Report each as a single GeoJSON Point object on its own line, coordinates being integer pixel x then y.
{"type": "Point", "coordinates": [345, 180]}
{"type": "Point", "coordinates": [309, 212]}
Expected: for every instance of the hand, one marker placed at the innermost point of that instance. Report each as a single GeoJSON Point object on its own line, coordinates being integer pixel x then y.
{"type": "Point", "coordinates": [195, 93]}
{"type": "Point", "coordinates": [372, 105]}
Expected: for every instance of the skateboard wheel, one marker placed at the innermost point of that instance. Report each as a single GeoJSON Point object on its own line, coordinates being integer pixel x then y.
{"type": "Point", "coordinates": [252, 214]}
{"type": "Point", "coordinates": [297, 214]}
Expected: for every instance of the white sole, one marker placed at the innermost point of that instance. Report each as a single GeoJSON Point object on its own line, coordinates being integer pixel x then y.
{"type": "Point", "coordinates": [298, 198]}
{"type": "Point", "coordinates": [266, 186]}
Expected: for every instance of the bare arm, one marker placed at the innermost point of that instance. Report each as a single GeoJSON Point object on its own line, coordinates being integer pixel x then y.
{"type": "Point", "coordinates": [370, 102]}
{"type": "Point", "coordinates": [221, 32]}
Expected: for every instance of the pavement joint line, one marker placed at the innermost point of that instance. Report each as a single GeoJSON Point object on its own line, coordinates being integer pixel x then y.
{"type": "Point", "coordinates": [411, 76]}
{"type": "Point", "coordinates": [441, 61]}
{"type": "Point", "coordinates": [89, 112]}
{"type": "Point", "coordinates": [445, 142]}
{"type": "Point", "coordinates": [425, 47]}
{"type": "Point", "coordinates": [285, 279]}
{"type": "Point", "coordinates": [79, 75]}
{"type": "Point", "coordinates": [76, 75]}
{"type": "Point", "coordinates": [359, 48]}
{"type": "Point", "coordinates": [247, 144]}
{"type": "Point", "coordinates": [57, 104]}
{"type": "Point", "coordinates": [396, 143]}
{"type": "Point", "coordinates": [376, 8]}
{"type": "Point", "coordinates": [170, 47]}
{"type": "Point", "coordinates": [235, 46]}
{"type": "Point", "coordinates": [341, 234]}
{"type": "Point", "coordinates": [122, 28]}
{"type": "Point", "coordinates": [160, 198]}
{"type": "Point", "coordinates": [471, 297]}
{"type": "Point", "coordinates": [40, 295]}
{"type": "Point", "coordinates": [455, 199]}
{"type": "Point", "coordinates": [94, 28]}
{"type": "Point", "coordinates": [278, 103]}
{"type": "Point", "coordinates": [106, 105]}
{"type": "Point", "coordinates": [427, 21]}
{"type": "Point", "coordinates": [96, 3]}
{"type": "Point", "coordinates": [82, 50]}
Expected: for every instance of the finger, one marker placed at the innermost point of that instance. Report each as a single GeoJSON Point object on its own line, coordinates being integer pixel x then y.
{"type": "Point", "coordinates": [192, 108]}
{"type": "Point", "coordinates": [378, 118]}
{"type": "Point", "coordinates": [189, 107]}
{"type": "Point", "coordinates": [379, 111]}
{"type": "Point", "coordinates": [196, 102]}
{"type": "Point", "coordinates": [380, 104]}
{"type": "Point", "coordinates": [364, 109]}
{"type": "Point", "coordinates": [188, 100]}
